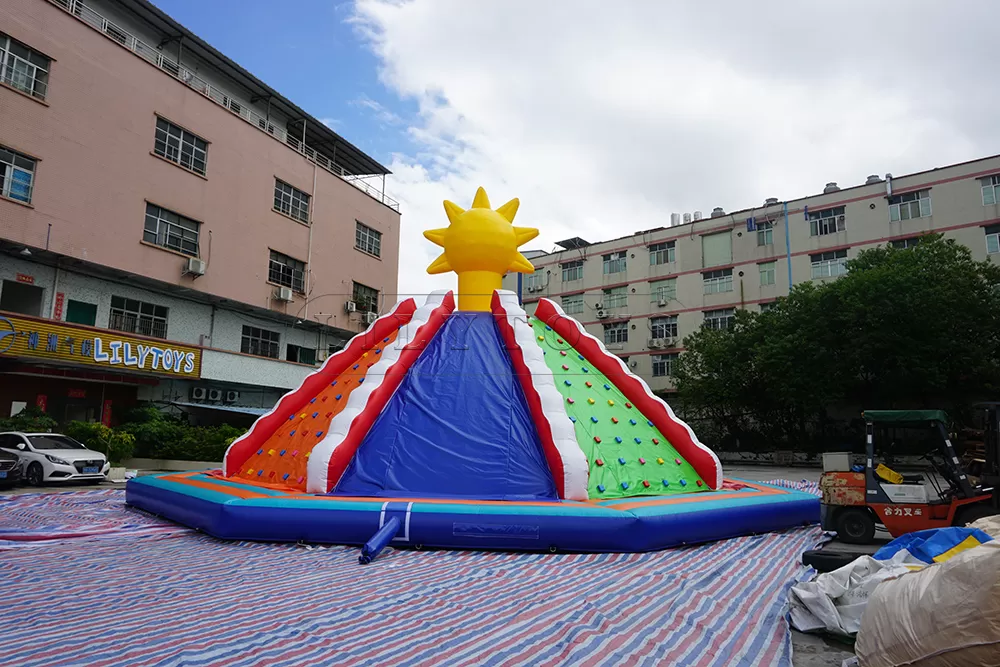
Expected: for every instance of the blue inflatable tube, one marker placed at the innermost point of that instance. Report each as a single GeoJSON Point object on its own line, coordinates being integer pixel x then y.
{"type": "Point", "coordinates": [234, 511]}
{"type": "Point", "coordinates": [373, 547]}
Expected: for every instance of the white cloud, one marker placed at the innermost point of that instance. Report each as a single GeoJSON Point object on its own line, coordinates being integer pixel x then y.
{"type": "Point", "coordinates": [606, 117]}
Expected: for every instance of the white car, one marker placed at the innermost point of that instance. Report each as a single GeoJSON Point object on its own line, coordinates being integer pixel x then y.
{"type": "Point", "coordinates": [51, 457]}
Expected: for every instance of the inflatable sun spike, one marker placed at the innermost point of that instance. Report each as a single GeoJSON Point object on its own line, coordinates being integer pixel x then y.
{"type": "Point", "coordinates": [480, 245]}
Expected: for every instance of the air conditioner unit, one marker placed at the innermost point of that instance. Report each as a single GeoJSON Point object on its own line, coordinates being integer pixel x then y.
{"type": "Point", "coordinates": [199, 393]}
{"type": "Point", "coordinates": [215, 394]}
{"type": "Point", "coordinates": [653, 343]}
{"type": "Point", "coordinates": [602, 314]}
{"type": "Point", "coordinates": [195, 266]}
{"type": "Point", "coordinates": [283, 294]}
{"type": "Point", "coordinates": [232, 396]}
{"type": "Point", "coordinates": [662, 303]}
{"type": "Point", "coordinates": [370, 318]}
{"type": "Point", "coordinates": [841, 218]}
{"type": "Point", "coordinates": [350, 307]}
{"type": "Point", "coordinates": [599, 306]}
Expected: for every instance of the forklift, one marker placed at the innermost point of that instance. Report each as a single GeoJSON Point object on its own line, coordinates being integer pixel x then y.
{"type": "Point", "coordinates": [854, 502]}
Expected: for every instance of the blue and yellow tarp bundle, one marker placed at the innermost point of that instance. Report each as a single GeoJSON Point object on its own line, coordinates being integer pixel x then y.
{"type": "Point", "coordinates": [934, 545]}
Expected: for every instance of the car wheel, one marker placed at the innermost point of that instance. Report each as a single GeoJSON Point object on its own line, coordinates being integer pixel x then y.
{"type": "Point", "coordinates": [966, 515]}
{"type": "Point", "coordinates": [856, 525]}
{"type": "Point", "coordinates": [35, 474]}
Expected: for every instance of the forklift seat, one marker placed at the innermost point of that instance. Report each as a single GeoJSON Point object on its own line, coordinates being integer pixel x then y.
{"type": "Point", "coordinates": [913, 479]}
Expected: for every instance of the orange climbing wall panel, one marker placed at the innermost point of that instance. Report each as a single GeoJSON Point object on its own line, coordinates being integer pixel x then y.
{"type": "Point", "coordinates": [282, 460]}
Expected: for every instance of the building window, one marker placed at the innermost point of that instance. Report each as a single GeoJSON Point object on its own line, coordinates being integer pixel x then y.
{"type": "Point", "coordinates": [767, 271]}
{"type": "Point", "coordinates": [259, 342]}
{"type": "Point", "coordinates": [827, 221]}
{"type": "Point", "coordinates": [910, 205]}
{"type": "Point", "coordinates": [991, 190]}
{"type": "Point", "coordinates": [302, 355]}
{"type": "Point", "coordinates": [180, 146]}
{"type": "Point", "coordinates": [663, 290]}
{"type": "Point", "coordinates": [719, 319]}
{"type": "Point", "coordinates": [572, 270]}
{"type": "Point", "coordinates": [23, 68]}
{"type": "Point", "coordinates": [535, 282]}
{"type": "Point", "coordinates": [717, 249]}
{"type": "Point", "coordinates": [572, 304]}
{"type": "Point", "coordinates": [17, 175]}
{"type": "Point", "coordinates": [81, 312]}
{"type": "Point", "coordinates": [367, 239]}
{"type": "Point", "coordinates": [662, 253]}
{"type": "Point", "coordinates": [138, 317]}
{"type": "Point", "coordinates": [291, 201]}
{"type": "Point", "coordinates": [663, 364]}
{"type": "Point", "coordinates": [366, 298]}
{"type": "Point", "coordinates": [770, 305]}
{"type": "Point", "coordinates": [283, 270]}
{"type": "Point", "coordinates": [719, 281]}
{"type": "Point", "coordinates": [904, 244]}
{"type": "Point", "coordinates": [616, 297]}
{"type": "Point", "coordinates": [765, 233]}
{"type": "Point", "coordinates": [170, 230]}
{"type": "Point", "coordinates": [614, 262]}
{"type": "Point", "coordinates": [993, 239]}
{"type": "Point", "coordinates": [616, 333]}
{"type": "Point", "coordinates": [829, 264]}
{"type": "Point", "coordinates": [663, 327]}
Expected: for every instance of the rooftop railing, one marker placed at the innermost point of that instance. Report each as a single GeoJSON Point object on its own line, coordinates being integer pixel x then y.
{"type": "Point", "coordinates": [220, 97]}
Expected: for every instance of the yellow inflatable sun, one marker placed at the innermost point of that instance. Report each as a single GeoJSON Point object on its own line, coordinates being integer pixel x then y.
{"type": "Point", "coordinates": [480, 245]}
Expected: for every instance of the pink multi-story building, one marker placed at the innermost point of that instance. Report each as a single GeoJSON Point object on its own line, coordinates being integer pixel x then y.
{"type": "Point", "coordinates": [155, 197]}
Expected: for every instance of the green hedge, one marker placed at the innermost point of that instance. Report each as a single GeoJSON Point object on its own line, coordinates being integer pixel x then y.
{"type": "Point", "coordinates": [116, 444]}
{"type": "Point", "coordinates": [159, 436]}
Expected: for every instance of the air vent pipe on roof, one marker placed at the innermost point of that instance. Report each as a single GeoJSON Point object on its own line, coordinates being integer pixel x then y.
{"type": "Point", "coordinates": [770, 201]}
{"type": "Point", "coordinates": [831, 187]}
{"type": "Point", "coordinates": [717, 211]}
{"type": "Point", "coordinates": [873, 179]}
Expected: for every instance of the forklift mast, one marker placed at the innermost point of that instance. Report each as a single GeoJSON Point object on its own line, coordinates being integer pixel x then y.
{"type": "Point", "coordinates": [991, 433]}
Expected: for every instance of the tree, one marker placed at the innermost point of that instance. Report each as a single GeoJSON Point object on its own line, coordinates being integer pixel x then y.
{"type": "Point", "coordinates": [917, 327]}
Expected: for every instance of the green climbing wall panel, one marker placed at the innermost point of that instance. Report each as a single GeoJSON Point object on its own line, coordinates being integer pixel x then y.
{"type": "Point", "coordinates": [628, 456]}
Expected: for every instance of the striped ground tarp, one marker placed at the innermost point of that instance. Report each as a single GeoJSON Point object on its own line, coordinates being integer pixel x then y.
{"type": "Point", "coordinates": [187, 599]}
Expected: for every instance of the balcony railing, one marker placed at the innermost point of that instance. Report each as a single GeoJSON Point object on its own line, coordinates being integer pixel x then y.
{"type": "Point", "coordinates": [143, 326]}
{"type": "Point", "coordinates": [239, 108]}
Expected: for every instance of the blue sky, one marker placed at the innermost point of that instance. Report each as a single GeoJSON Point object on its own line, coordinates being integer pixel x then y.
{"type": "Point", "coordinates": [307, 51]}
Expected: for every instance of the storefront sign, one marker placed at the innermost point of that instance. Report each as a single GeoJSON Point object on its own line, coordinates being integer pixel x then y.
{"type": "Point", "coordinates": [58, 310]}
{"type": "Point", "coordinates": [77, 393]}
{"type": "Point", "coordinates": [45, 339]}
{"type": "Point", "coordinates": [25, 278]}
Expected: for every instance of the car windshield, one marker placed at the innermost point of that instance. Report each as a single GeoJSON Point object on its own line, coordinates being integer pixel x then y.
{"type": "Point", "coordinates": [54, 442]}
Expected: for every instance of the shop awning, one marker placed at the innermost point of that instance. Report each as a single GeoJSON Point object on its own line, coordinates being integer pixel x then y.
{"type": "Point", "coordinates": [223, 408]}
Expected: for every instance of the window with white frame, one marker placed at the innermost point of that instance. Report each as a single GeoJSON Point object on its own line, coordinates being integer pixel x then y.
{"type": "Point", "coordinates": [572, 304]}
{"type": "Point", "coordinates": [291, 201]}
{"type": "Point", "coordinates": [176, 144]}
{"type": "Point", "coordinates": [910, 205]}
{"type": "Point", "coordinates": [367, 240]}
{"type": "Point", "coordinates": [17, 175]}
{"type": "Point", "coordinates": [767, 273]}
{"type": "Point", "coordinates": [991, 190]}
{"type": "Point", "coordinates": [614, 262]}
{"type": "Point", "coordinates": [663, 290]}
{"type": "Point", "coordinates": [615, 297]}
{"type": "Point", "coordinates": [827, 221]}
{"type": "Point", "coordinates": [829, 264]}
{"type": "Point", "coordinates": [664, 364]}
{"type": "Point", "coordinates": [770, 305]}
{"type": "Point", "coordinates": [765, 233]}
{"type": "Point", "coordinates": [283, 270]}
{"type": "Point", "coordinates": [616, 333]}
{"type": "Point", "coordinates": [535, 282]}
{"type": "Point", "coordinates": [259, 342]}
{"type": "Point", "coordinates": [904, 244]}
{"type": "Point", "coordinates": [993, 239]}
{"type": "Point", "coordinates": [170, 230]}
{"type": "Point", "coordinates": [662, 253]}
{"type": "Point", "coordinates": [572, 270]}
{"type": "Point", "coordinates": [719, 281]}
{"type": "Point", "coordinates": [23, 68]}
{"type": "Point", "coordinates": [719, 319]}
{"type": "Point", "coordinates": [365, 297]}
{"type": "Point", "coordinates": [139, 317]}
{"type": "Point", "coordinates": [663, 327]}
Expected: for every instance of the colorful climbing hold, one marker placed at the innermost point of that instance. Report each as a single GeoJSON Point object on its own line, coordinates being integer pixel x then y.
{"type": "Point", "coordinates": [295, 452]}
{"type": "Point", "coordinates": [285, 476]}
{"type": "Point", "coordinates": [611, 403]}
{"type": "Point", "coordinates": [656, 441]}
{"type": "Point", "coordinates": [599, 462]}
{"type": "Point", "coordinates": [300, 479]}
{"type": "Point", "coordinates": [562, 352]}
{"type": "Point", "coordinates": [385, 340]}
{"type": "Point", "coordinates": [645, 483]}
{"type": "Point", "coordinates": [699, 482]}
{"type": "Point", "coordinates": [632, 422]}
{"type": "Point", "coordinates": [570, 400]}
{"type": "Point", "coordinates": [541, 338]}
{"type": "Point", "coordinates": [614, 420]}
{"type": "Point", "coordinates": [660, 461]}
{"type": "Point", "coordinates": [624, 485]}
{"type": "Point", "coordinates": [260, 472]}
{"type": "Point", "coordinates": [548, 328]}
{"type": "Point", "coordinates": [573, 419]}
{"type": "Point", "coordinates": [618, 439]}
{"type": "Point", "coordinates": [684, 482]}
{"type": "Point", "coordinates": [565, 367]}
{"type": "Point", "coordinates": [319, 433]}
{"type": "Point", "coordinates": [559, 340]}
{"type": "Point", "coordinates": [315, 414]}
{"type": "Point", "coordinates": [607, 386]}
{"type": "Point", "coordinates": [259, 452]}
{"type": "Point", "coordinates": [250, 471]}
{"type": "Point", "coordinates": [360, 380]}
{"type": "Point", "coordinates": [581, 356]}
{"type": "Point", "coordinates": [378, 350]}
{"type": "Point", "coordinates": [628, 405]}
{"type": "Point", "coordinates": [591, 401]}
{"type": "Point", "coordinates": [313, 400]}
{"type": "Point", "coordinates": [597, 439]}
{"type": "Point", "coordinates": [291, 433]}
{"type": "Point", "coordinates": [333, 384]}
{"type": "Point", "coordinates": [638, 440]}
{"type": "Point", "coordinates": [666, 482]}
{"type": "Point", "coordinates": [291, 417]}
{"type": "Point", "coordinates": [567, 383]}
{"type": "Point", "coordinates": [588, 383]}
{"type": "Point", "coordinates": [600, 488]}
{"type": "Point", "coordinates": [355, 367]}
{"type": "Point", "coordinates": [593, 419]}
{"type": "Point", "coordinates": [621, 460]}
{"type": "Point", "coordinates": [282, 452]}
{"type": "Point", "coordinates": [642, 461]}
{"type": "Point", "coordinates": [302, 416]}
{"type": "Point", "coordinates": [324, 398]}
{"type": "Point", "coordinates": [649, 422]}
{"type": "Point", "coordinates": [677, 461]}
{"type": "Point", "coordinates": [584, 369]}
{"type": "Point", "coordinates": [337, 397]}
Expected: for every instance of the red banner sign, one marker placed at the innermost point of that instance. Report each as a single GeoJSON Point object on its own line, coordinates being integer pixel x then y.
{"type": "Point", "coordinates": [42, 401]}
{"type": "Point", "coordinates": [58, 311]}
{"type": "Point", "coordinates": [77, 393]}
{"type": "Point", "coordinates": [26, 279]}
{"type": "Point", "coordinates": [106, 414]}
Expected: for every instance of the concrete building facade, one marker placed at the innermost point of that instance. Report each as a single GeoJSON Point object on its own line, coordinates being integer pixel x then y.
{"type": "Point", "coordinates": [152, 189]}
{"type": "Point", "coordinates": [645, 292]}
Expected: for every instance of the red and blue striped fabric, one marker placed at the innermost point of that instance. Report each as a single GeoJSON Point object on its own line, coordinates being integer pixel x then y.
{"type": "Point", "coordinates": [187, 599]}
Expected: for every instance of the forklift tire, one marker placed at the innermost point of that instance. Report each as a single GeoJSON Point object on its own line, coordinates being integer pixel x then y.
{"type": "Point", "coordinates": [855, 525]}
{"type": "Point", "coordinates": [970, 513]}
